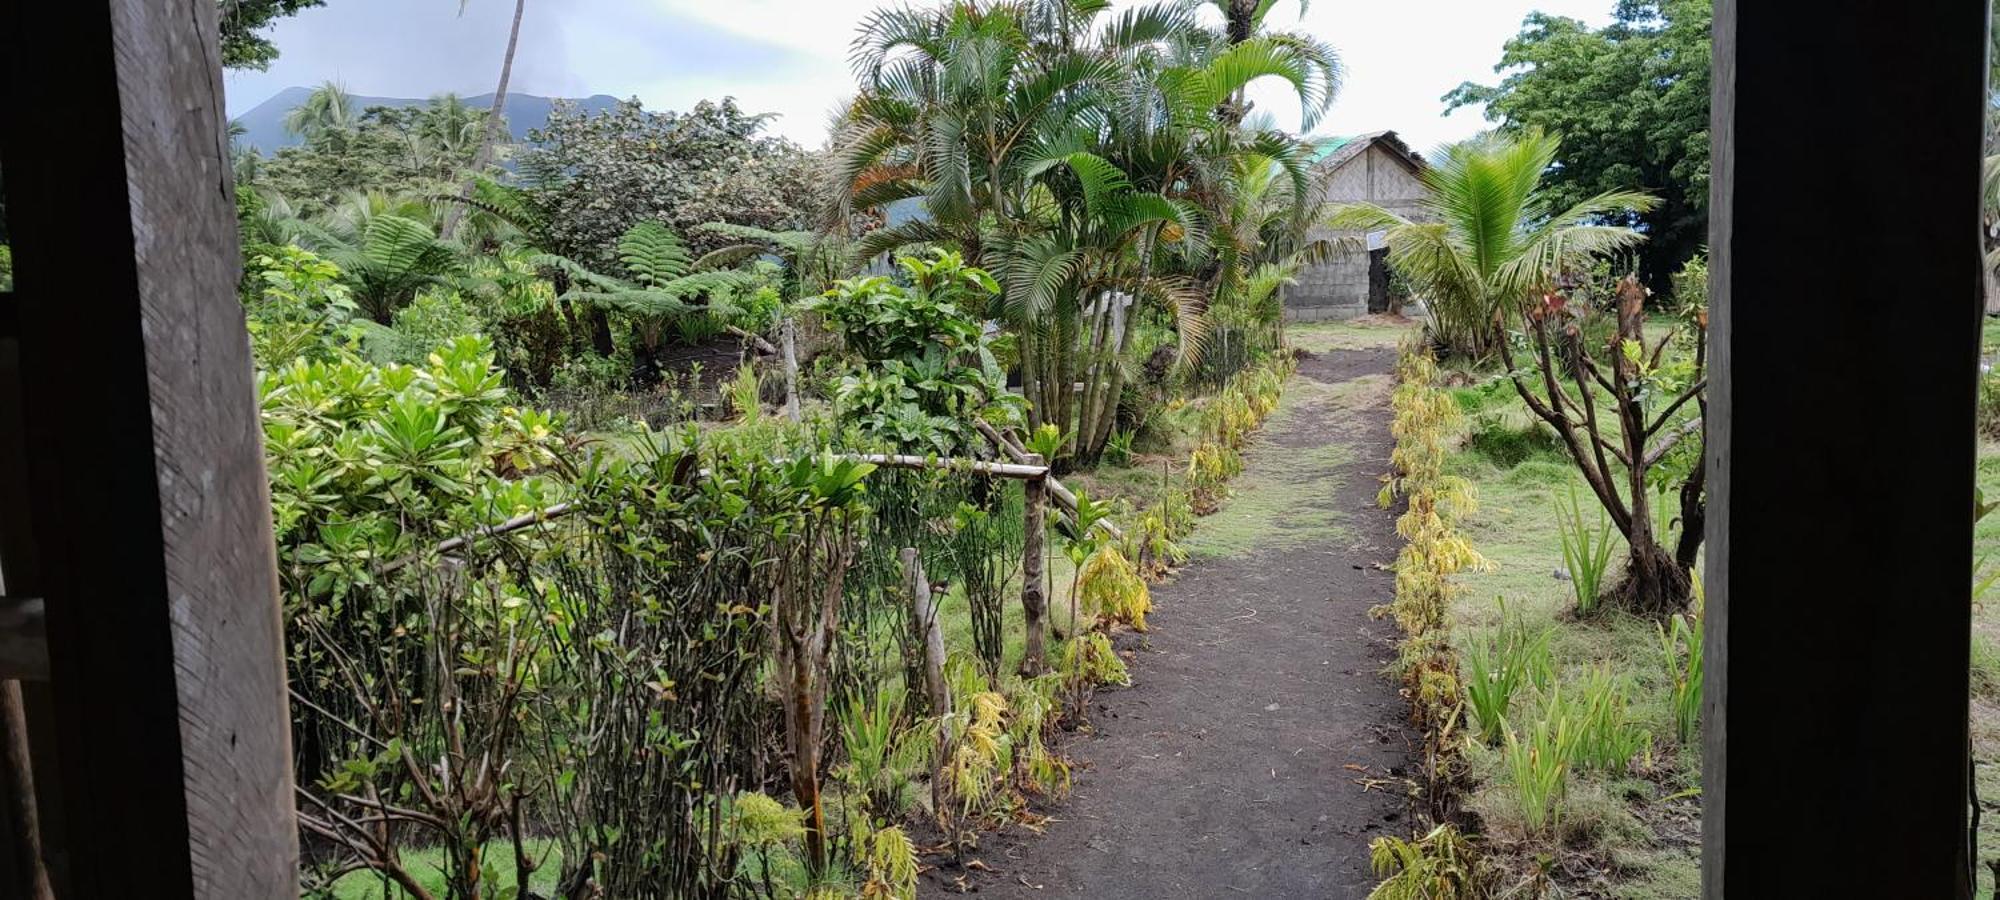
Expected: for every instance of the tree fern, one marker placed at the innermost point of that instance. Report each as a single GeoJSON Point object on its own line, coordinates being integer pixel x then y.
{"type": "Point", "coordinates": [654, 255]}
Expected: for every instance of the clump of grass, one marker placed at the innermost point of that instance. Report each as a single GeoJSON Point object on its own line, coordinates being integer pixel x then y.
{"type": "Point", "coordinates": [745, 394]}
{"type": "Point", "coordinates": [1510, 439]}
{"type": "Point", "coordinates": [1539, 767]}
{"type": "Point", "coordinates": [1680, 647]}
{"type": "Point", "coordinates": [1985, 666]}
{"type": "Point", "coordinates": [1516, 656]}
{"type": "Point", "coordinates": [1606, 738]}
{"type": "Point", "coordinates": [1586, 551]}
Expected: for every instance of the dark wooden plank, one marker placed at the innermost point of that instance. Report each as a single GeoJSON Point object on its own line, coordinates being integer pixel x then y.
{"type": "Point", "coordinates": [148, 498]}
{"type": "Point", "coordinates": [1846, 301]}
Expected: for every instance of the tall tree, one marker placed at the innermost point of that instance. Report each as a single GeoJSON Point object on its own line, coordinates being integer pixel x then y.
{"type": "Point", "coordinates": [494, 116]}
{"type": "Point", "coordinates": [1630, 102]}
{"type": "Point", "coordinates": [1244, 20]}
{"type": "Point", "coordinates": [242, 46]}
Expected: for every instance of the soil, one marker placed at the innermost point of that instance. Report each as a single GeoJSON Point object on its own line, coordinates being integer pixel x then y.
{"type": "Point", "coordinates": [1261, 747]}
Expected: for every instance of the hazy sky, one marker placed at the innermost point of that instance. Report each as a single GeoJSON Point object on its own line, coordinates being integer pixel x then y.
{"type": "Point", "coordinates": [790, 56]}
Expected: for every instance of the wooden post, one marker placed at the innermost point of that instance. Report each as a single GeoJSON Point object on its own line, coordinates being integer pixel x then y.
{"type": "Point", "coordinates": [1034, 600]}
{"type": "Point", "coordinates": [27, 874]}
{"type": "Point", "coordinates": [148, 509]}
{"type": "Point", "coordinates": [790, 345]}
{"type": "Point", "coordinates": [924, 607]}
{"type": "Point", "coordinates": [1840, 448]}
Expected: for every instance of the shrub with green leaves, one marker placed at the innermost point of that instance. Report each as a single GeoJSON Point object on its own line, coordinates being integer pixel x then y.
{"type": "Point", "coordinates": [1440, 865]}
{"type": "Point", "coordinates": [370, 463]}
{"type": "Point", "coordinates": [926, 370]}
{"type": "Point", "coordinates": [299, 308]}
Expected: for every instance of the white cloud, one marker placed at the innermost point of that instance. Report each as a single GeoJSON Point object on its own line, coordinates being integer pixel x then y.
{"type": "Point", "coordinates": [790, 56]}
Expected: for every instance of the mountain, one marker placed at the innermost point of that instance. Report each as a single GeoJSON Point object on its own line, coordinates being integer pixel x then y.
{"type": "Point", "coordinates": [264, 125]}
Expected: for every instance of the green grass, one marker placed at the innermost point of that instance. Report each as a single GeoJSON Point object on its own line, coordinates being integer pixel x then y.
{"type": "Point", "coordinates": [425, 864]}
{"type": "Point", "coordinates": [1285, 496]}
{"type": "Point", "coordinates": [1519, 476]}
{"type": "Point", "coordinates": [1352, 334]}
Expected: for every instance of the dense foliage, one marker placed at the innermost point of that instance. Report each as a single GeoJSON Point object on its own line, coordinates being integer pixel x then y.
{"type": "Point", "coordinates": [1095, 163]}
{"type": "Point", "coordinates": [392, 151]}
{"type": "Point", "coordinates": [596, 176]}
{"type": "Point", "coordinates": [505, 623]}
{"type": "Point", "coordinates": [1631, 104]}
{"type": "Point", "coordinates": [242, 46]}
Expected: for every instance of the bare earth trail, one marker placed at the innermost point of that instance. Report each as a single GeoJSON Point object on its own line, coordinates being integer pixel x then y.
{"type": "Point", "coordinates": [1261, 748]}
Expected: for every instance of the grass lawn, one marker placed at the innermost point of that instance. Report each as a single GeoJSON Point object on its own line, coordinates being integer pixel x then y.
{"type": "Point", "coordinates": [1635, 834]}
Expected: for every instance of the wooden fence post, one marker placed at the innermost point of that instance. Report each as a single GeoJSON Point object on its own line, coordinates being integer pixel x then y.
{"type": "Point", "coordinates": [1034, 602]}
{"type": "Point", "coordinates": [924, 605]}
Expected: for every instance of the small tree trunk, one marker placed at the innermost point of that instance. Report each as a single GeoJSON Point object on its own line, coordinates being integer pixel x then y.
{"type": "Point", "coordinates": [1034, 603]}
{"type": "Point", "coordinates": [791, 371]}
{"type": "Point", "coordinates": [924, 611]}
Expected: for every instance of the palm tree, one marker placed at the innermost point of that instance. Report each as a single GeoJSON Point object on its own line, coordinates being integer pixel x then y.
{"type": "Point", "coordinates": [1493, 258]}
{"type": "Point", "coordinates": [329, 108]}
{"type": "Point", "coordinates": [1062, 149]}
{"type": "Point", "coordinates": [1490, 244]}
{"type": "Point", "coordinates": [1243, 21]}
{"type": "Point", "coordinates": [494, 116]}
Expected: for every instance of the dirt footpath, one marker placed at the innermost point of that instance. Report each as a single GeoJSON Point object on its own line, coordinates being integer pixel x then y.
{"type": "Point", "coordinates": [1261, 748]}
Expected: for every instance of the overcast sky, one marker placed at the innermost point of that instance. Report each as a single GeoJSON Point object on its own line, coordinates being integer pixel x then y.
{"type": "Point", "coordinates": [790, 56]}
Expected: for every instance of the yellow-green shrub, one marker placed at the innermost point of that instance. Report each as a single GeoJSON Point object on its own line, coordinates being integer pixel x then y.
{"type": "Point", "coordinates": [1424, 420]}
{"type": "Point", "coordinates": [1113, 590]}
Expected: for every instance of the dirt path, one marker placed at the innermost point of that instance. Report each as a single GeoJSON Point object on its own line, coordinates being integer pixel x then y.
{"type": "Point", "coordinates": [1234, 766]}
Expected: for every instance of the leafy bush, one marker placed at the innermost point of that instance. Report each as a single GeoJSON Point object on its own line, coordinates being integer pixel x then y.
{"type": "Point", "coordinates": [299, 309]}
{"type": "Point", "coordinates": [1438, 866]}
{"type": "Point", "coordinates": [1113, 590]}
{"type": "Point", "coordinates": [371, 463]}
{"type": "Point", "coordinates": [926, 371]}
{"type": "Point", "coordinates": [432, 320]}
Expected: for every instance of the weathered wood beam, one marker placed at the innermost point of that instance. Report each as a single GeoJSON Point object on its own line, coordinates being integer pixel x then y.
{"type": "Point", "coordinates": [1019, 471]}
{"type": "Point", "coordinates": [1010, 447]}
{"type": "Point", "coordinates": [149, 509]}
{"type": "Point", "coordinates": [1840, 543]}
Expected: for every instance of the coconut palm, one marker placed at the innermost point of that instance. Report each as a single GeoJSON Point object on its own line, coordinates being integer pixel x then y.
{"type": "Point", "coordinates": [1243, 21]}
{"type": "Point", "coordinates": [1488, 243]}
{"type": "Point", "coordinates": [495, 116]}
{"type": "Point", "coordinates": [329, 108]}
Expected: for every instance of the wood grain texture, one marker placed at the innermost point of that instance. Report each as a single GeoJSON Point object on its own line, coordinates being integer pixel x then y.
{"type": "Point", "coordinates": [214, 498]}
{"type": "Point", "coordinates": [165, 710]}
